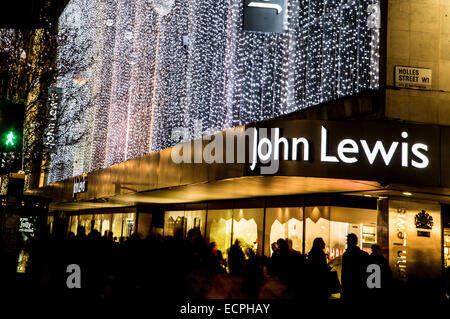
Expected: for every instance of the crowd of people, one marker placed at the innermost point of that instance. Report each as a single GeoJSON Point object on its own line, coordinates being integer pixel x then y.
{"type": "Point", "coordinates": [180, 268]}
{"type": "Point", "coordinates": [313, 275]}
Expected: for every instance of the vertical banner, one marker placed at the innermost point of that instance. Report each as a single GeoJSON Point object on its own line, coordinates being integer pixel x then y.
{"type": "Point", "coordinates": [54, 100]}
{"type": "Point", "coordinates": [415, 241]}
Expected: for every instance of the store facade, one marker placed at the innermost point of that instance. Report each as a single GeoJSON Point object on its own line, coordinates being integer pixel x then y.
{"type": "Point", "coordinates": [384, 181]}
{"type": "Point", "coordinates": [314, 138]}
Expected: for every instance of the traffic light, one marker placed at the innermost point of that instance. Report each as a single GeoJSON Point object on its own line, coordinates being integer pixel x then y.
{"type": "Point", "coordinates": [11, 130]}
{"type": "Point", "coordinates": [10, 139]}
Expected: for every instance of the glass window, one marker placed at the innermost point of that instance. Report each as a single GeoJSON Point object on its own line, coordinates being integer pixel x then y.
{"type": "Point", "coordinates": [361, 222]}
{"type": "Point", "coordinates": [183, 221]}
{"type": "Point", "coordinates": [98, 223]}
{"type": "Point", "coordinates": [174, 222]}
{"type": "Point", "coordinates": [105, 223]}
{"type": "Point", "coordinates": [73, 222]}
{"type": "Point", "coordinates": [218, 229]}
{"type": "Point", "coordinates": [123, 225]}
{"type": "Point", "coordinates": [333, 224]}
{"type": "Point", "coordinates": [86, 222]}
{"type": "Point", "coordinates": [129, 224]}
{"type": "Point", "coordinates": [195, 219]}
{"type": "Point", "coordinates": [248, 228]}
{"type": "Point", "coordinates": [285, 223]}
{"type": "Point", "coordinates": [117, 224]}
{"type": "Point", "coordinates": [317, 221]}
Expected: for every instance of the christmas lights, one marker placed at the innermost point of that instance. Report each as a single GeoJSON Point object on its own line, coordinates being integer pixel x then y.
{"type": "Point", "coordinates": [137, 69]}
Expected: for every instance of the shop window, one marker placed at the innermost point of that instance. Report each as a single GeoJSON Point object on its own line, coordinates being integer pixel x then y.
{"type": "Point", "coordinates": [333, 224]}
{"type": "Point", "coordinates": [97, 225]}
{"type": "Point", "coordinates": [195, 219]}
{"type": "Point", "coordinates": [105, 223]}
{"type": "Point", "coordinates": [123, 225]}
{"type": "Point", "coordinates": [248, 228]}
{"type": "Point", "coordinates": [183, 221]}
{"type": "Point", "coordinates": [317, 224]}
{"type": "Point", "coordinates": [285, 223]}
{"type": "Point", "coordinates": [361, 222]}
{"type": "Point", "coordinates": [218, 229]}
{"type": "Point", "coordinates": [174, 223]}
{"type": "Point", "coordinates": [73, 224]}
{"type": "Point", "coordinates": [86, 222]}
{"type": "Point", "coordinates": [224, 227]}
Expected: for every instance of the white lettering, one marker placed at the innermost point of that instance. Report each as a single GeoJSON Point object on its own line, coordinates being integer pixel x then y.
{"type": "Point", "coordinates": [262, 142]}
{"type": "Point", "coordinates": [342, 149]}
{"type": "Point", "coordinates": [277, 142]}
{"type": "Point", "coordinates": [379, 148]}
{"type": "Point", "coordinates": [323, 148]}
{"type": "Point", "coordinates": [305, 143]}
{"type": "Point", "coordinates": [421, 156]}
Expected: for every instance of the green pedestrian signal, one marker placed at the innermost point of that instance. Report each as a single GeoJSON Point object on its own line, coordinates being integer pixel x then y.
{"type": "Point", "coordinates": [10, 139]}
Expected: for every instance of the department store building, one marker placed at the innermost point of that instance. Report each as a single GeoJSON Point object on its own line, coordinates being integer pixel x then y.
{"type": "Point", "coordinates": [257, 120]}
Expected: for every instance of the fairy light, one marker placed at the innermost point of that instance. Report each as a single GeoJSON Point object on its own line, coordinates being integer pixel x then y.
{"type": "Point", "coordinates": [140, 81]}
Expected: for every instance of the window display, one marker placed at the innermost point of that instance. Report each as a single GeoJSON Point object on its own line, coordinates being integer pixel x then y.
{"type": "Point", "coordinates": [219, 228]}
{"type": "Point", "coordinates": [86, 222]}
{"type": "Point", "coordinates": [224, 227]}
{"type": "Point", "coordinates": [248, 228]}
{"type": "Point", "coordinates": [183, 221]}
{"type": "Point", "coordinates": [121, 224]}
{"type": "Point", "coordinates": [73, 223]}
{"type": "Point", "coordinates": [285, 223]}
{"type": "Point", "coordinates": [333, 224]}
{"type": "Point", "coordinates": [317, 221]}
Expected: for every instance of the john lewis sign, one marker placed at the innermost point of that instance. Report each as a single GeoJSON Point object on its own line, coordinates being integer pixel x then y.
{"type": "Point", "coordinates": [349, 151]}
{"type": "Point", "coordinates": [382, 151]}
{"type": "Point", "coordinates": [388, 152]}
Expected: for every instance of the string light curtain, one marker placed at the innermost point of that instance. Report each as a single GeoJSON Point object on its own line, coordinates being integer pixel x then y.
{"type": "Point", "coordinates": [155, 65]}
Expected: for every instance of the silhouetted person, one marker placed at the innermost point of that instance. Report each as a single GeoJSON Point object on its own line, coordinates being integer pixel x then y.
{"type": "Point", "coordinates": [236, 258]}
{"type": "Point", "coordinates": [386, 274]}
{"type": "Point", "coordinates": [280, 261]}
{"type": "Point", "coordinates": [218, 257]}
{"type": "Point", "coordinates": [81, 232]}
{"type": "Point", "coordinates": [252, 273]}
{"type": "Point", "coordinates": [274, 247]}
{"type": "Point", "coordinates": [318, 270]}
{"type": "Point", "coordinates": [354, 270]}
{"type": "Point", "coordinates": [196, 251]}
{"type": "Point", "coordinates": [291, 248]}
